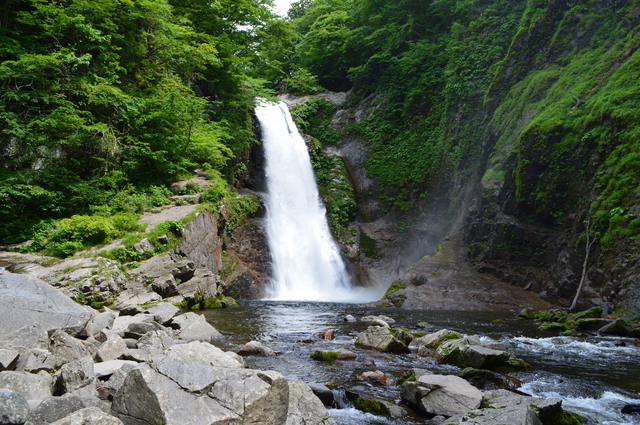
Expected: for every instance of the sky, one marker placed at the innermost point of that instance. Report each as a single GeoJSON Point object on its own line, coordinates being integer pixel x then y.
{"type": "Point", "coordinates": [282, 6]}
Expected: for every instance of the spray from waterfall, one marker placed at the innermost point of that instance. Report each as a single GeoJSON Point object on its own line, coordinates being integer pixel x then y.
{"type": "Point", "coordinates": [306, 261]}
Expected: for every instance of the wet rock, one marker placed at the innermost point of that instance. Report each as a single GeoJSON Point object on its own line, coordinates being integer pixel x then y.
{"type": "Point", "coordinates": [13, 408]}
{"type": "Point", "coordinates": [381, 317]}
{"type": "Point", "coordinates": [378, 378]}
{"type": "Point", "coordinates": [375, 407]}
{"type": "Point", "coordinates": [591, 324]}
{"type": "Point", "coordinates": [323, 393]}
{"type": "Point", "coordinates": [55, 408]}
{"type": "Point", "coordinates": [367, 363]}
{"type": "Point", "coordinates": [349, 318]}
{"type": "Point", "coordinates": [432, 341]}
{"type": "Point", "coordinates": [441, 395]}
{"type": "Point", "coordinates": [486, 380]}
{"type": "Point", "coordinates": [34, 387]}
{"type": "Point", "coordinates": [255, 348]}
{"type": "Point", "coordinates": [329, 335]}
{"type": "Point", "coordinates": [618, 327]}
{"type": "Point", "coordinates": [305, 408]}
{"type": "Point", "coordinates": [526, 313]}
{"type": "Point", "coordinates": [329, 355]}
{"type": "Point", "coordinates": [26, 300]}
{"type": "Point", "coordinates": [381, 339]}
{"type": "Point", "coordinates": [471, 351]}
{"type": "Point", "coordinates": [512, 415]}
{"type": "Point", "coordinates": [629, 409]}
{"type": "Point", "coordinates": [592, 313]}
{"type": "Point", "coordinates": [89, 416]}
{"type": "Point", "coordinates": [8, 359]}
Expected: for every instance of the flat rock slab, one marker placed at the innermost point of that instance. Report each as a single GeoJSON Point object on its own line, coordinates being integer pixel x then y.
{"type": "Point", "coordinates": [26, 300]}
{"type": "Point", "coordinates": [511, 415]}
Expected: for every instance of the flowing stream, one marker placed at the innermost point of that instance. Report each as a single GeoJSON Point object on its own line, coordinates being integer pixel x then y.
{"type": "Point", "coordinates": [594, 376]}
{"type": "Point", "coordinates": [306, 261]}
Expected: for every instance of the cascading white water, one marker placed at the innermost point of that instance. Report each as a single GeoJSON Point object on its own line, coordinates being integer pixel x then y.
{"type": "Point", "coordinates": [306, 261]}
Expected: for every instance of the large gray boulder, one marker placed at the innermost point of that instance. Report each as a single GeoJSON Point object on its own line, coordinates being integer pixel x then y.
{"type": "Point", "coordinates": [382, 338]}
{"type": "Point", "coordinates": [88, 416]}
{"type": "Point", "coordinates": [25, 300]}
{"type": "Point", "coordinates": [305, 408]}
{"type": "Point", "coordinates": [441, 395]}
{"type": "Point", "coordinates": [55, 408]}
{"type": "Point", "coordinates": [169, 392]}
{"type": "Point", "coordinates": [13, 408]}
{"type": "Point", "coordinates": [194, 326]}
{"type": "Point", "coordinates": [34, 387]}
{"type": "Point", "coordinates": [69, 348]}
{"type": "Point", "coordinates": [112, 348]}
{"type": "Point", "coordinates": [511, 415]}
{"type": "Point", "coordinates": [480, 353]}
{"type": "Point", "coordinates": [8, 359]}
{"type": "Point", "coordinates": [75, 375]}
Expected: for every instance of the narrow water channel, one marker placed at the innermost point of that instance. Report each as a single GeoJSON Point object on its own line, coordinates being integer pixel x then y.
{"type": "Point", "coordinates": [595, 376]}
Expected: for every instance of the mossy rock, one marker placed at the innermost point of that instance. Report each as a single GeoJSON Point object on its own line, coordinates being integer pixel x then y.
{"type": "Point", "coordinates": [554, 327]}
{"type": "Point", "coordinates": [324, 356]}
{"type": "Point", "coordinates": [591, 324]}
{"type": "Point", "coordinates": [374, 407]}
{"type": "Point", "coordinates": [409, 376]}
{"type": "Point", "coordinates": [559, 417]}
{"type": "Point", "coordinates": [592, 313]}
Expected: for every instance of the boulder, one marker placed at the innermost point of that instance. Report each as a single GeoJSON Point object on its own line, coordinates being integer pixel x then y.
{"type": "Point", "coordinates": [121, 323]}
{"type": "Point", "coordinates": [202, 353]}
{"type": "Point", "coordinates": [323, 393]}
{"type": "Point", "coordinates": [381, 317]}
{"type": "Point", "coordinates": [165, 286]}
{"type": "Point", "coordinates": [102, 321]}
{"type": "Point", "coordinates": [305, 408]}
{"type": "Point", "coordinates": [499, 399]}
{"type": "Point", "coordinates": [433, 340]}
{"type": "Point", "coordinates": [8, 359]}
{"type": "Point", "coordinates": [26, 300]}
{"type": "Point", "coordinates": [232, 395]}
{"type": "Point", "coordinates": [106, 369]}
{"type": "Point", "coordinates": [37, 359]}
{"type": "Point", "coordinates": [381, 339]}
{"type": "Point", "coordinates": [486, 380]}
{"type": "Point", "coordinates": [69, 348]}
{"type": "Point", "coordinates": [163, 313]}
{"type": "Point", "coordinates": [13, 407]}
{"type": "Point", "coordinates": [618, 327]}
{"type": "Point", "coordinates": [143, 246]}
{"type": "Point", "coordinates": [184, 270]}
{"type": "Point", "coordinates": [33, 387]}
{"type": "Point", "coordinates": [471, 351]}
{"type": "Point", "coordinates": [131, 310]}
{"type": "Point", "coordinates": [111, 349]}
{"type": "Point", "coordinates": [377, 378]}
{"type": "Point", "coordinates": [511, 415]}
{"type": "Point", "coordinates": [255, 348]}
{"type": "Point", "coordinates": [349, 318]}
{"type": "Point", "coordinates": [441, 395]}
{"type": "Point", "coordinates": [26, 338]}
{"type": "Point", "coordinates": [194, 326]}
{"type": "Point", "coordinates": [75, 375]}
{"type": "Point", "coordinates": [155, 343]}
{"type": "Point", "coordinates": [89, 416]}
{"type": "Point", "coordinates": [54, 408]}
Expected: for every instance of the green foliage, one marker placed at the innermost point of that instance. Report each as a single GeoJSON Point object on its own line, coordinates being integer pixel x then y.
{"type": "Point", "coordinates": [64, 237]}
{"type": "Point", "coordinates": [395, 286]}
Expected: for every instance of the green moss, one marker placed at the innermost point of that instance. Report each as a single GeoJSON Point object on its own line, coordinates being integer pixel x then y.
{"type": "Point", "coordinates": [369, 245]}
{"type": "Point", "coordinates": [592, 313]}
{"type": "Point", "coordinates": [407, 377]}
{"type": "Point", "coordinates": [561, 417]}
{"type": "Point", "coordinates": [324, 356]}
{"type": "Point", "coordinates": [374, 407]}
{"type": "Point", "coordinates": [554, 326]}
{"type": "Point", "coordinates": [395, 286]}
{"type": "Point", "coordinates": [448, 337]}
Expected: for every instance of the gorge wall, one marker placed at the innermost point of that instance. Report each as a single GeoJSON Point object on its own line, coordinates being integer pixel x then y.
{"type": "Point", "coordinates": [534, 145]}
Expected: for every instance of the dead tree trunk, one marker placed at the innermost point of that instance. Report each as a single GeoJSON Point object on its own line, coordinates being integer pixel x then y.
{"type": "Point", "coordinates": [584, 266]}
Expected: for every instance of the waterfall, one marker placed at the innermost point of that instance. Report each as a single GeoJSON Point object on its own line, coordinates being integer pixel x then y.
{"type": "Point", "coordinates": [306, 261]}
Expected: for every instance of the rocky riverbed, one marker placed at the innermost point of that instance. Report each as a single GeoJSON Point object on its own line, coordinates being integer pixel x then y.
{"type": "Point", "coordinates": [62, 363]}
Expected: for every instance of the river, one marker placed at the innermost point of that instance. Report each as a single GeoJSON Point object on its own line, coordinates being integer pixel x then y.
{"type": "Point", "coordinates": [595, 376]}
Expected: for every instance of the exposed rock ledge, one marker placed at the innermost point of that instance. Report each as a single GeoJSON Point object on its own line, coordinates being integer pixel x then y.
{"type": "Point", "coordinates": [447, 281]}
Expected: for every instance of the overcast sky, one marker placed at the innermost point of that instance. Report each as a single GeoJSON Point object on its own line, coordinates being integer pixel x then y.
{"type": "Point", "coordinates": [282, 6]}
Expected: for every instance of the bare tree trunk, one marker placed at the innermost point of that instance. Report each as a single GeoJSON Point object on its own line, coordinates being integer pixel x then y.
{"type": "Point", "coordinates": [584, 266]}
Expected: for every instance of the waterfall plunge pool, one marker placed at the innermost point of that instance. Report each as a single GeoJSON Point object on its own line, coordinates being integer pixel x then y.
{"type": "Point", "coordinates": [595, 376]}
